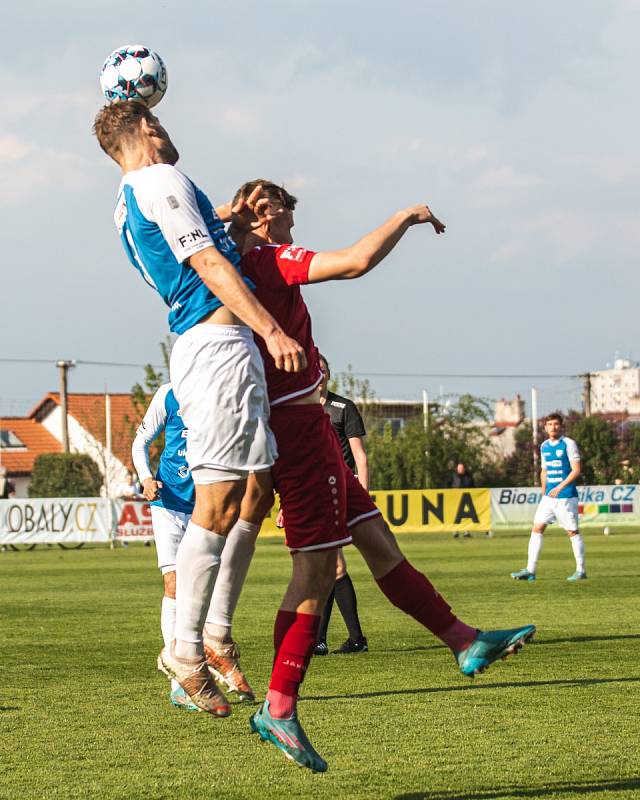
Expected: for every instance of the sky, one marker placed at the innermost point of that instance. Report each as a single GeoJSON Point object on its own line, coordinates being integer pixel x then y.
{"type": "Point", "coordinates": [518, 124]}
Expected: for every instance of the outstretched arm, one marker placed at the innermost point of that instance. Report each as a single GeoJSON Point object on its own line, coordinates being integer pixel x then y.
{"type": "Point", "coordinates": [364, 255]}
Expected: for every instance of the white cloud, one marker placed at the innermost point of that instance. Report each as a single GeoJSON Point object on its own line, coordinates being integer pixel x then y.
{"type": "Point", "coordinates": [41, 171]}
{"type": "Point", "coordinates": [505, 179]}
{"type": "Point", "coordinates": [12, 148]}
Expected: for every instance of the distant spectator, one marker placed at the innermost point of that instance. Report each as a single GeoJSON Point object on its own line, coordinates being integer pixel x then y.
{"type": "Point", "coordinates": [462, 478]}
{"type": "Point", "coordinates": [128, 489]}
{"type": "Point", "coordinates": [7, 487]}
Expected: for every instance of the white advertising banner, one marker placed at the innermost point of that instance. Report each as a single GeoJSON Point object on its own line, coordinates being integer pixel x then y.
{"type": "Point", "coordinates": [132, 521]}
{"type": "Point", "coordinates": [51, 520]}
{"type": "Point", "coordinates": [598, 505]}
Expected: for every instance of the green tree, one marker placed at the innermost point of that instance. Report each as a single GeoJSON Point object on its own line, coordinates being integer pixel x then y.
{"type": "Point", "coordinates": [65, 475]}
{"type": "Point", "coordinates": [417, 457]}
{"type": "Point", "coordinates": [597, 439]}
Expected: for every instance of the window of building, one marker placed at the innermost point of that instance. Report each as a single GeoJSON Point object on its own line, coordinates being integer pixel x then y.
{"type": "Point", "coordinates": [8, 440]}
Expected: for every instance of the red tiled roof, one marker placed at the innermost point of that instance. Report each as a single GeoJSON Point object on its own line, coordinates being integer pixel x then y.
{"type": "Point", "coordinates": [89, 411]}
{"type": "Point", "coordinates": [36, 439]}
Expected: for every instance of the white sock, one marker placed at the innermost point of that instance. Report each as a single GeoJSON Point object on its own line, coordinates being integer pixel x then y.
{"type": "Point", "coordinates": [197, 565]}
{"type": "Point", "coordinates": [535, 548]}
{"type": "Point", "coordinates": [236, 558]}
{"type": "Point", "coordinates": [577, 545]}
{"type": "Point", "coordinates": [168, 620]}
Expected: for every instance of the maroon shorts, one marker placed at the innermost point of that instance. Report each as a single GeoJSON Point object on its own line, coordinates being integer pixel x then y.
{"type": "Point", "coordinates": [310, 477]}
{"type": "Point", "coordinates": [360, 506]}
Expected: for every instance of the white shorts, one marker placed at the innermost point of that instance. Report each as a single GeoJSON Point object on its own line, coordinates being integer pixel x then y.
{"type": "Point", "coordinates": [218, 380]}
{"type": "Point", "coordinates": [564, 510]}
{"type": "Point", "coordinates": [168, 530]}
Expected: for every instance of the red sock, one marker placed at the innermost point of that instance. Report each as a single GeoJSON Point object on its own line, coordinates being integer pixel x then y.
{"type": "Point", "coordinates": [297, 640]}
{"type": "Point", "coordinates": [284, 620]}
{"type": "Point", "coordinates": [412, 592]}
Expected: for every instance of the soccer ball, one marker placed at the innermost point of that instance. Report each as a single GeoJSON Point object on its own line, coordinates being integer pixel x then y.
{"type": "Point", "coordinates": [133, 72]}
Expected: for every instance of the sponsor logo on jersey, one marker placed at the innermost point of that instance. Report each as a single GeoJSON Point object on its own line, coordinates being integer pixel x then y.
{"type": "Point", "coordinates": [193, 237]}
{"type": "Point", "coordinates": [173, 202]}
{"type": "Point", "coordinates": [293, 253]}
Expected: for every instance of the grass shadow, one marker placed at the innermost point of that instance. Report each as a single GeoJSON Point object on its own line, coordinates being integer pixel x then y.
{"type": "Point", "coordinates": [577, 639]}
{"type": "Point", "coordinates": [551, 789]}
{"type": "Point", "coordinates": [475, 687]}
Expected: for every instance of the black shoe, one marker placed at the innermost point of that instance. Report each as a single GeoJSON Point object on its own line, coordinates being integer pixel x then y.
{"type": "Point", "coordinates": [321, 649]}
{"type": "Point", "coordinates": [351, 646]}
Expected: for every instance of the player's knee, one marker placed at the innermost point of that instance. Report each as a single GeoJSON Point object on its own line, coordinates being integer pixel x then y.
{"type": "Point", "coordinates": [218, 506]}
{"type": "Point", "coordinates": [169, 580]}
{"type": "Point", "coordinates": [258, 498]}
{"type": "Point", "coordinates": [257, 506]}
{"type": "Point", "coordinates": [341, 566]}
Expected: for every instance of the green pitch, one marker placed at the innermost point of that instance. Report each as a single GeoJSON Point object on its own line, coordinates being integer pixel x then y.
{"type": "Point", "coordinates": [84, 714]}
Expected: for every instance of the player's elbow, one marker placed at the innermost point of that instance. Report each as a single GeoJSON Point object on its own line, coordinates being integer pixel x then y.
{"type": "Point", "coordinates": [358, 265]}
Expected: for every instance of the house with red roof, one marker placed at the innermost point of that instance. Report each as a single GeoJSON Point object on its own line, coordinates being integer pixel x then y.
{"type": "Point", "coordinates": [91, 420]}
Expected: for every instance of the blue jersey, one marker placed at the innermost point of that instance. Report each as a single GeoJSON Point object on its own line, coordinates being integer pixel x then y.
{"type": "Point", "coordinates": [177, 492]}
{"type": "Point", "coordinates": [556, 458]}
{"type": "Point", "coordinates": [163, 220]}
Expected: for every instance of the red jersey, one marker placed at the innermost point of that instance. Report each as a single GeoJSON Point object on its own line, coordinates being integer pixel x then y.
{"type": "Point", "coordinates": [278, 271]}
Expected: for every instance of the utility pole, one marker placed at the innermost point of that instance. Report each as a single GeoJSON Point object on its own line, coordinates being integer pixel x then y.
{"type": "Point", "coordinates": [586, 394]}
{"type": "Point", "coordinates": [64, 367]}
{"type": "Point", "coordinates": [534, 430]}
{"type": "Point", "coordinates": [426, 423]}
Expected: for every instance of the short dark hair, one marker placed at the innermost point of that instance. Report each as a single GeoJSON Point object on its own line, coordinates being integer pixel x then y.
{"type": "Point", "coordinates": [553, 416]}
{"type": "Point", "coordinates": [326, 363]}
{"type": "Point", "coordinates": [118, 122]}
{"type": "Point", "coordinates": [275, 193]}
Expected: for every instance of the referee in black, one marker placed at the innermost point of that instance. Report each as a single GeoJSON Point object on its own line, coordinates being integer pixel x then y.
{"type": "Point", "coordinates": [347, 421]}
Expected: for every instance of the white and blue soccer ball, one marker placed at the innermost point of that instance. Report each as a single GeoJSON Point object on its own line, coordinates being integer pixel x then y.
{"type": "Point", "coordinates": [133, 72]}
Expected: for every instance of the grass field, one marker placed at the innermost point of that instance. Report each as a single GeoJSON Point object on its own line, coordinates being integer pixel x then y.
{"type": "Point", "coordinates": [84, 714]}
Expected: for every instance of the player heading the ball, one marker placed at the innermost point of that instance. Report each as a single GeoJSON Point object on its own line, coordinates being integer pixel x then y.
{"type": "Point", "coordinates": [175, 240]}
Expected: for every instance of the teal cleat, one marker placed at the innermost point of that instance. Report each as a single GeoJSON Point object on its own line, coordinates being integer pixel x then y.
{"type": "Point", "coordinates": [288, 736]}
{"type": "Point", "coordinates": [578, 576]}
{"type": "Point", "coordinates": [489, 646]}
{"type": "Point", "coordinates": [523, 575]}
{"type": "Point", "coordinates": [180, 699]}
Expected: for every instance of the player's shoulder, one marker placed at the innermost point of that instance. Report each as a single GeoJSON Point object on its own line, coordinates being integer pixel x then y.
{"type": "Point", "coordinates": [159, 399]}
{"type": "Point", "coordinates": [261, 261]}
{"type": "Point", "coordinates": [337, 401]}
{"type": "Point", "coordinates": [570, 444]}
{"type": "Point", "coordinates": [149, 182]}
{"type": "Point", "coordinates": [262, 252]}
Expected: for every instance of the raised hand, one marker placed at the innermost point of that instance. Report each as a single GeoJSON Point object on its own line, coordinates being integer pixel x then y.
{"type": "Point", "coordinates": [253, 211]}
{"type": "Point", "coordinates": [422, 214]}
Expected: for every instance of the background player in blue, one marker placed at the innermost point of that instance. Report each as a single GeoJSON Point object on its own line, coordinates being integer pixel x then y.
{"type": "Point", "coordinates": [173, 237]}
{"type": "Point", "coordinates": [560, 469]}
{"type": "Point", "coordinates": [171, 494]}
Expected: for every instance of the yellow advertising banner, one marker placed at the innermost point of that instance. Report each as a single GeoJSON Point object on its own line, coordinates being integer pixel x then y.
{"type": "Point", "coordinates": [435, 510]}
{"type": "Point", "coordinates": [426, 510]}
